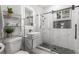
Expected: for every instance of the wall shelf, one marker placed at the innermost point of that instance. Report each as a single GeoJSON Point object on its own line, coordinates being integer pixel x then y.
{"type": "Point", "coordinates": [14, 16]}
{"type": "Point", "coordinates": [13, 21]}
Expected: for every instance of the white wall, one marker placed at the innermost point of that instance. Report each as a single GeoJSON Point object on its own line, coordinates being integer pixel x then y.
{"type": "Point", "coordinates": [58, 7]}
{"type": "Point", "coordinates": [59, 37]}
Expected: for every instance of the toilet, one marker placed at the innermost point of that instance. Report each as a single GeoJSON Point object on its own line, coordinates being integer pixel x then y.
{"type": "Point", "coordinates": [13, 46]}
{"type": "Point", "coordinates": [2, 46]}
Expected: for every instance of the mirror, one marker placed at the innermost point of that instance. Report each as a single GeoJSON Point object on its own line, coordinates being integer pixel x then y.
{"type": "Point", "coordinates": [29, 20]}
{"type": "Point", "coordinates": [28, 17]}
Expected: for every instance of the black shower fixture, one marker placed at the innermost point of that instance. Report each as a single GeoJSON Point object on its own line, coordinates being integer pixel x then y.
{"type": "Point", "coordinates": [52, 11]}
{"type": "Point", "coordinates": [73, 7]}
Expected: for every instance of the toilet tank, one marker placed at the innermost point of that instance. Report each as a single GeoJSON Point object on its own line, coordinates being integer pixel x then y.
{"type": "Point", "coordinates": [13, 45]}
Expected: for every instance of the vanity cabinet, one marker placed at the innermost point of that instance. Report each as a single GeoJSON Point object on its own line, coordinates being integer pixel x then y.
{"type": "Point", "coordinates": [33, 40]}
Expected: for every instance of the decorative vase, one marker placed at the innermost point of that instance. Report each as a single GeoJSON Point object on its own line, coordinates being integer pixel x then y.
{"type": "Point", "coordinates": [10, 14]}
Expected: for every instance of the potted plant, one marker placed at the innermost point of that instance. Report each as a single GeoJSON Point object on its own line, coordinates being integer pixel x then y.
{"type": "Point", "coordinates": [8, 30]}
{"type": "Point", "coordinates": [10, 11]}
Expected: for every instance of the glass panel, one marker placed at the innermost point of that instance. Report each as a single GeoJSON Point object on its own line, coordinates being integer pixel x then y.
{"type": "Point", "coordinates": [66, 13]}
{"type": "Point", "coordinates": [59, 15]}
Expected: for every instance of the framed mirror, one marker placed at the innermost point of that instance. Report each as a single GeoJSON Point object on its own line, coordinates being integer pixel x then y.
{"type": "Point", "coordinates": [28, 17]}
{"type": "Point", "coordinates": [29, 21]}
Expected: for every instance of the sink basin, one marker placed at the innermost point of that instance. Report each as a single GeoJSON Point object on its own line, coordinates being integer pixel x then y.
{"type": "Point", "coordinates": [1, 47]}
{"type": "Point", "coordinates": [33, 32]}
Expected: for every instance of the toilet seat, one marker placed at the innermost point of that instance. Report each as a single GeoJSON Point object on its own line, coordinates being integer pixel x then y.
{"type": "Point", "coordinates": [22, 52]}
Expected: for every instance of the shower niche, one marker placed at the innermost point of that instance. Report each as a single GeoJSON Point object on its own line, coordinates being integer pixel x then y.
{"type": "Point", "coordinates": [62, 24]}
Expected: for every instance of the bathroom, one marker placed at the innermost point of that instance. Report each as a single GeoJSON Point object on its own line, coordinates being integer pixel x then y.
{"type": "Point", "coordinates": [39, 29]}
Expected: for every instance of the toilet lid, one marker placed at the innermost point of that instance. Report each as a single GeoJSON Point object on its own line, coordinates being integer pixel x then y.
{"type": "Point", "coordinates": [22, 52]}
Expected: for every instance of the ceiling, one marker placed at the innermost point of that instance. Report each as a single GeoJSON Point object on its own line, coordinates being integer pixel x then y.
{"type": "Point", "coordinates": [44, 6]}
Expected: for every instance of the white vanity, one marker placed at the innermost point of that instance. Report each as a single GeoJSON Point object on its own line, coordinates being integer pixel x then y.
{"type": "Point", "coordinates": [33, 40]}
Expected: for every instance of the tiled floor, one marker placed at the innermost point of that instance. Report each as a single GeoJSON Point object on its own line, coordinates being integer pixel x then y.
{"type": "Point", "coordinates": [58, 49]}
{"type": "Point", "coordinates": [42, 50]}
{"type": "Point", "coordinates": [22, 52]}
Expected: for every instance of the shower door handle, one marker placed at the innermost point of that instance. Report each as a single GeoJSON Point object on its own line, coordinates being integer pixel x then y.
{"type": "Point", "coordinates": [75, 31]}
